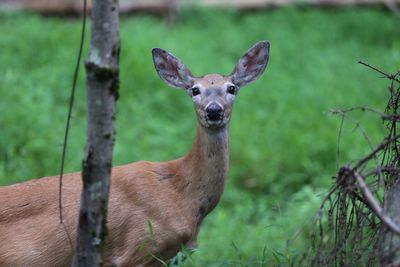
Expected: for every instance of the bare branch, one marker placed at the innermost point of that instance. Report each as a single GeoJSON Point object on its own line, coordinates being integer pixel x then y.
{"type": "Point", "coordinates": [385, 117]}
{"type": "Point", "coordinates": [67, 125]}
{"type": "Point", "coordinates": [356, 220]}
{"type": "Point", "coordinates": [361, 108]}
{"type": "Point", "coordinates": [338, 143]}
{"type": "Point", "coordinates": [373, 204]}
{"type": "Point", "coordinates": [382, 170]}
{"type": "Point", "coordinates": [376, 151]}
{"type": "Point", "coordinates": [344, 114]}
{"type": "Point", "coordinates": [389, 76]}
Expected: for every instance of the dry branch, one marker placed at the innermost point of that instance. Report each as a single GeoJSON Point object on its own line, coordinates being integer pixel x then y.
{"type": "Point", "coordinates": [351, 221]}
{"type": "Point", "coordinates": [389, 76]}
{"type": "Point", "coordinates": [370, 199]}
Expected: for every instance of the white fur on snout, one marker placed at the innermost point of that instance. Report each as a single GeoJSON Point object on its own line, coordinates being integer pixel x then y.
{"type": "Point", "coordinates": [214, 102]}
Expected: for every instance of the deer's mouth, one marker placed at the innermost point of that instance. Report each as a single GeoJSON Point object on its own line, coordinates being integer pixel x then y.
{"type": "Point", "coordinates": [213, 120]}
{"type": "Point", "coordinates": [216, 123]}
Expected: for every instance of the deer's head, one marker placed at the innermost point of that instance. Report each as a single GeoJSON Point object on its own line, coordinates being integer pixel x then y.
{"type": "Point", "coordinates": [212, 94]}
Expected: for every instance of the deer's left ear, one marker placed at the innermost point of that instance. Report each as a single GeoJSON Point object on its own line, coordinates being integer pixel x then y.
{"type": "Point", "coordinates": [251, 65]}
{"type": "Point", "coordinates": [171, 70]}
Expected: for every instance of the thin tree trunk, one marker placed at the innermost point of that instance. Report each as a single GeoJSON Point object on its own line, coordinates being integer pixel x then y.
{"type": "Point", "coordinates": [102, 92]}
{"type": "Point", "coordinates": [390, 242]}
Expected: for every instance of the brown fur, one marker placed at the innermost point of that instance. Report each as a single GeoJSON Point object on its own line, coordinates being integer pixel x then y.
{"type": "Point", "coordinates": [170, 195]}
{"type": "Point", "coordinates": [212, 80]}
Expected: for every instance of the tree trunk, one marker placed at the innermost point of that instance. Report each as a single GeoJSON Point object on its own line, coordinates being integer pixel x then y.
{"type": "Point", "coordinates": [102, 92]}
{"type": "Point", "coordinates": [390, 242]}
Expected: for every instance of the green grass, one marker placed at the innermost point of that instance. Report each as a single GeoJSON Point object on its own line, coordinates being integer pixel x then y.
{"type": "Point", "coordinates": [283, 140]}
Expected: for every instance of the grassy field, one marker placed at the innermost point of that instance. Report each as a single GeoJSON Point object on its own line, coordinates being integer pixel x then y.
{"type": "Point", "coordinates": [282, 136]}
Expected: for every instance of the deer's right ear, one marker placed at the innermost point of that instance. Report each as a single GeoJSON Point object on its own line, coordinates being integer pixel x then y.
{"type": "Point", "coordinates": [171, 70]}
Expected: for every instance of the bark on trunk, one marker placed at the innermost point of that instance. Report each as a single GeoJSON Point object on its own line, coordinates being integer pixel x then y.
{"type": "Point", "coordinates": [390, 244]}
{"type": "Point", "coordinates": [102, 92]}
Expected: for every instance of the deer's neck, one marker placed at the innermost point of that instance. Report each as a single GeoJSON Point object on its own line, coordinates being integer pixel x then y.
{"type": "Point", "coordinates": [204, 170]}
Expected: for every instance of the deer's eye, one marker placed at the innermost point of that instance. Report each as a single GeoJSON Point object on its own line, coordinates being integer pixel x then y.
{"type": "Point", "coordinates": [195, 91]}
{"type": "Point", "coordinates": [231, 90]}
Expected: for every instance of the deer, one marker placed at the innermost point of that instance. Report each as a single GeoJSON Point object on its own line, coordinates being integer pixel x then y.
{"type": "Point", "coordinates": [155, 208]}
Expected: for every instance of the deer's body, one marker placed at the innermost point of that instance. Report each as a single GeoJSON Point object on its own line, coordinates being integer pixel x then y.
{"type": "Point", "coordinates": [155, 208]}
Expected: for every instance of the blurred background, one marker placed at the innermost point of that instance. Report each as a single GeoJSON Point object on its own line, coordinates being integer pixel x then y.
{"type": "Point", "coordinates": [283, 137]}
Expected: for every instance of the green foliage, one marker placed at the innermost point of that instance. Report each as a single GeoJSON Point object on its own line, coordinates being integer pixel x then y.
{"type": "Point", "coordinates": [283, 141]}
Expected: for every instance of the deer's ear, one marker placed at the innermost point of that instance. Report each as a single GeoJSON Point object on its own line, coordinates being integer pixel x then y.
{"type": "Point", "coordinates": [251, 65]}
{"type": "Point", "coordinates": [171, 70]}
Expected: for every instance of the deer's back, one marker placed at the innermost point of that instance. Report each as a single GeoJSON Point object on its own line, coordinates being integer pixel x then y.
{"type": "Point", "coordinates": [146, 217]}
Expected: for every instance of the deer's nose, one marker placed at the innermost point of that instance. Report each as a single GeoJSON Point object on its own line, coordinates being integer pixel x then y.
{"type": "Point", "coordinates": [214, 112]}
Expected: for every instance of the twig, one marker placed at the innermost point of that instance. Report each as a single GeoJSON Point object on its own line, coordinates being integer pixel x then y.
{"type": "Point", "coordinates": [385, 117]}
{"type": "Point", "coordinates": [389, 76]}
{"type": "Point", "coordinates": [361, 108]}
{"type": "Point", "coordinates": [383, 170]}
{"type": "Point", "coordinates": [391, 117]}
{"type": "Point", "coordinates": [359, 126]}
{"type": "Point", "coordinates": [71, 103]}
{"type": "Point", "coordinates": [338, 143]}
{"type": "Point", "coordinates": [328, 195]}
{"type": "Point", "coordinates": [375, 151]}
{"type": "Point", "coordinates": [358, 165]}
{"type": "Point", "coordinates": [369, 198]}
